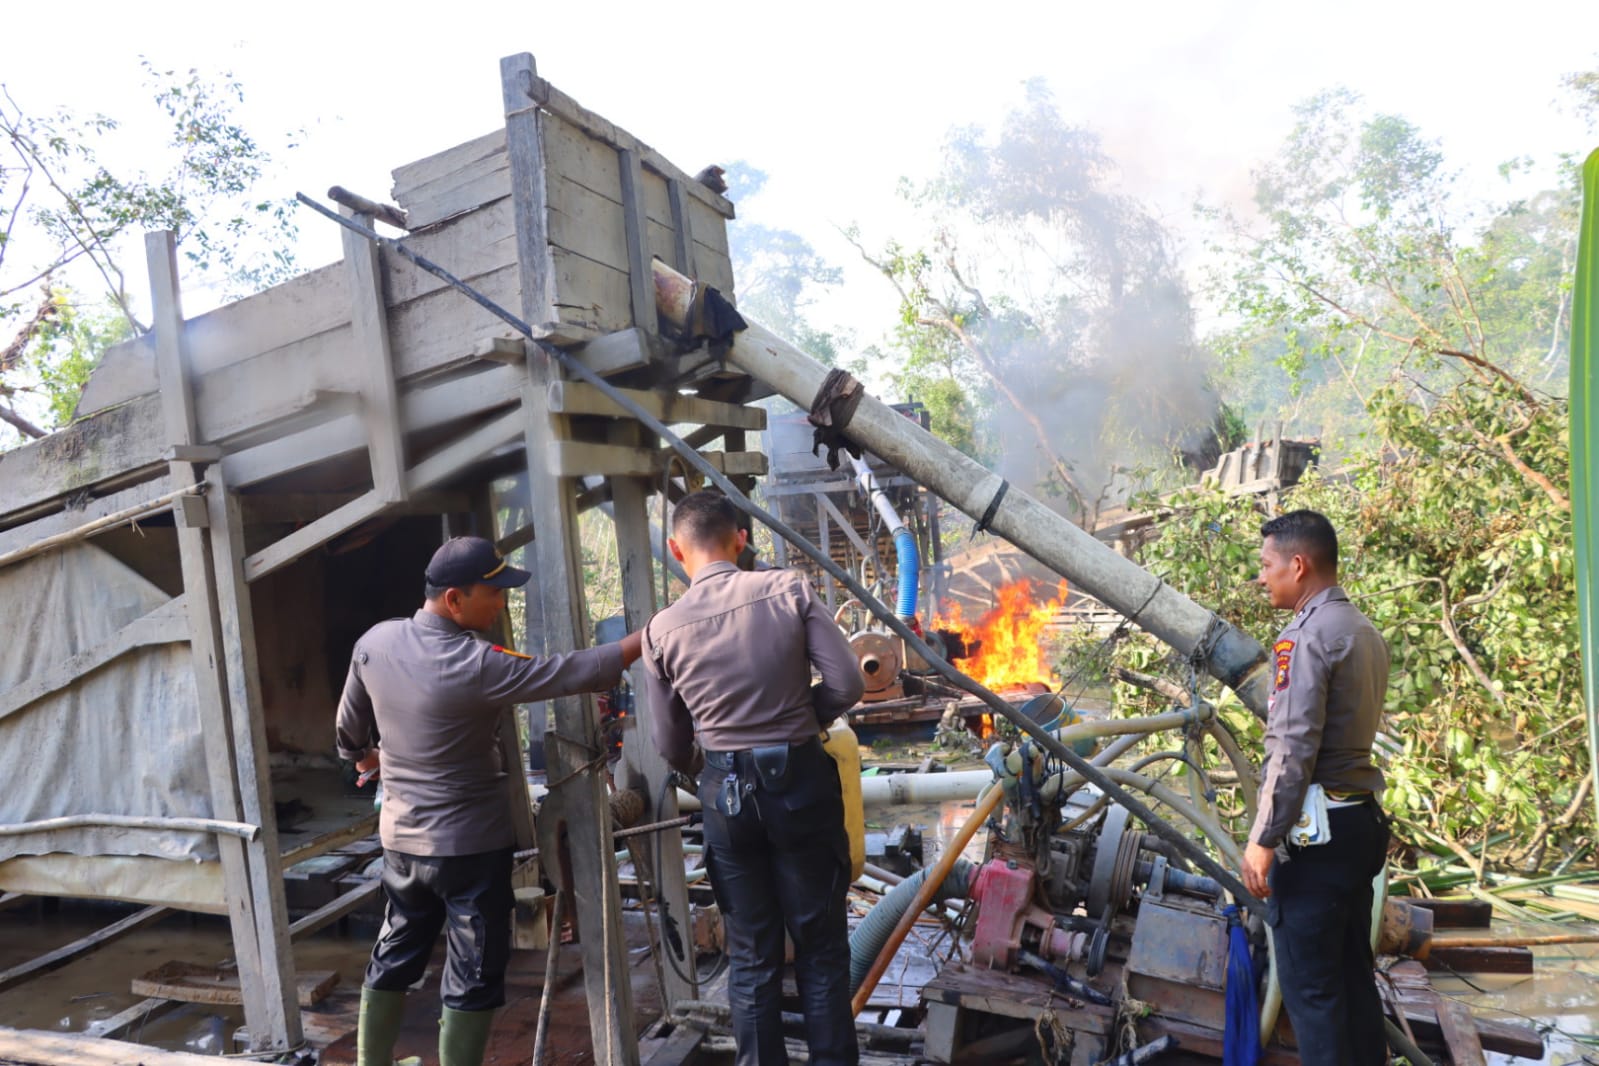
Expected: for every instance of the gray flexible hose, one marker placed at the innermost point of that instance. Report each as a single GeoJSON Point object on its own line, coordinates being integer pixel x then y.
{"type": "Point", "coordinates": [873, 931]}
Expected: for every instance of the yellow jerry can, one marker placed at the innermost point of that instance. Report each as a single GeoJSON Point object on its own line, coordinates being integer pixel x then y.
{"type": "Point", "coordinates": [840, 743]}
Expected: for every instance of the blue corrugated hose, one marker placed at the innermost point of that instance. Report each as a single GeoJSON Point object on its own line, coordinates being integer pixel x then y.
{"type": "Point", "coordinates": [909, 571]}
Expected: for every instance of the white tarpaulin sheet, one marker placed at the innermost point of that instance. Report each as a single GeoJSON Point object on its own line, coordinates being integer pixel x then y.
{"type": "Point", "coordinates": [124, 739]}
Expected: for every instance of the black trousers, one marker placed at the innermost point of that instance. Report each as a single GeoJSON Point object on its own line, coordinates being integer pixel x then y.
{"type": "Point", "coordinates": [469, 897]}
{"type": "Point", "coordinates": [1320, 914]}
{"type": "Point", "coordinates": [782, 863]}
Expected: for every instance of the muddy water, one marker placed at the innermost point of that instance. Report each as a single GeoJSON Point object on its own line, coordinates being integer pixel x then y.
{"type": "Point", "coordinates": [1560, 997]}
{"type": "Point", "coordinates": [96, 987]}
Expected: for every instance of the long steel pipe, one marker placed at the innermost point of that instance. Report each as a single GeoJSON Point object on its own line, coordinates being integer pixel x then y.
{"type": "Point", "coordinates": [1226, 653]}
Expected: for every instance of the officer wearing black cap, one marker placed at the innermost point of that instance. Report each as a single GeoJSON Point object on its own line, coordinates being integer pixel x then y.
{"type": "Point", "coordinates": [431, 690]}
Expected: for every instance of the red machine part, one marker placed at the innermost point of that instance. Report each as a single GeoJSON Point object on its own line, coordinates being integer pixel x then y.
{"type": "Point", "coordinates": [1006, 914]}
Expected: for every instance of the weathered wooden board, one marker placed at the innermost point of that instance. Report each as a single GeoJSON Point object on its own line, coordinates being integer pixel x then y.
{"type": "Point", "coordinates": [480, 181]}
{"type": "Point", "coordinates": [411, 176]}
{"type": "Point", "coordinates": [38, 1048]}
{"type": "Point", "coordinates": [305, 322]}
{"type": "Point", "coordinates": [589, 293]}
{"type": "Point", "coordinates": [192, 983]}
{"type": "Point", "coordinates": [115, 442]}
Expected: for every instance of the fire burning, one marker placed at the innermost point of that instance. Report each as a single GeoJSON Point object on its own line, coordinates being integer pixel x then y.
{"type": "Point", "coordinates": [1008, 639]}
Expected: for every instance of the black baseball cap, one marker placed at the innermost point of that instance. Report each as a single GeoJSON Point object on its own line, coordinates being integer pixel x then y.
{"type": "Point", "coordinates": [462, 562]}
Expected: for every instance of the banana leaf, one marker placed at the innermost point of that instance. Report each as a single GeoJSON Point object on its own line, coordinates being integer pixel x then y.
{"type": "Point", "coordinates": [1585, 444]}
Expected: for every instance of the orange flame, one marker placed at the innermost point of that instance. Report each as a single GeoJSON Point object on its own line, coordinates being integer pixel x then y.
{"type": "Point", "coordinates": [1012, 651]}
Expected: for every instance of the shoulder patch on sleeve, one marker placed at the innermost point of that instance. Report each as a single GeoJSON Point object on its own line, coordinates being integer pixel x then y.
{"type": "Point", "coordinates": [508, 651]}
{"type": "Point", "coordinates": [1282, 654]}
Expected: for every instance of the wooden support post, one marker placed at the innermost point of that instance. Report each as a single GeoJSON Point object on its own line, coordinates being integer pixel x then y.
{"type": "Point", "coordinates": [266, 975]}
{"type": "Point", "coordinates": [581, 801]}
{"type": "Point", "coordinates": [640, 279]}
{"type": "Point", "coordinates": [682, 229]}
{"type": "Point", "coordinates": [519, 798]}
{"type": "Point", "coordinates": [629, 497]}
{"type": "Point", "coordinates": [369, 326]}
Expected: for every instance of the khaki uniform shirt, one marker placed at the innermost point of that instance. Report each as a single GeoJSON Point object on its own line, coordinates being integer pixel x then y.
{"type": "Point", "coordinates": [433, 693]}
{"type": "Point", "coordinates": [1330, 677]}
{"type": "Point", "coordinates": [734, 655]}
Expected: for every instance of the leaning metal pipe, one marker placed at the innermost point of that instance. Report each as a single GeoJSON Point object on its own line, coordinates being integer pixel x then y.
{"type": "Point", "coordinates": [1228, 654]}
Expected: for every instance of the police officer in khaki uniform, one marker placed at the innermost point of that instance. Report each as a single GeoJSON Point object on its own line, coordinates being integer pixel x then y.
{"type": "Point", "coordinates": [431, 691]}
{"type": "Point", "coordinates": [733, 658]}
{"type": "Point", "coordinates": [1330, 676]}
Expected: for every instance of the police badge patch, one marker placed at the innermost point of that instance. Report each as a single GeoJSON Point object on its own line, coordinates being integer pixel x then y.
{"type": "Point", "coordinates": [1281, 652]}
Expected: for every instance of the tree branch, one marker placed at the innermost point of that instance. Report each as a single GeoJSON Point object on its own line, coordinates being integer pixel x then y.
{"type": "Point", "coordinates": [1448, 621]}
{"type": "Point", "coordinates": [22, 424]}
{"type": "Point", "coordinates": [12, 354]}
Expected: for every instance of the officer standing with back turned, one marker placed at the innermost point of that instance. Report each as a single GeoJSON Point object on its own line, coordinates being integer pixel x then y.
{"type": "Point", "coordinates": [1320, 836]}
{"type": "Point", "coordinates": [430, 690]}
{"type": "Point", "coordinates": [732, 659]}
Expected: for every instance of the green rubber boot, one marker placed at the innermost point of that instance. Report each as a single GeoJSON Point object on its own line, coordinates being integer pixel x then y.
{"type": "Point", "coordinates": [463, 1036]}
{"type": "Point", "coordinates": [378, 1027]}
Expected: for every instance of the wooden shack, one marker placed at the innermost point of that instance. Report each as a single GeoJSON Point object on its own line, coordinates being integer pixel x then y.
{"type": "Point", "coordinates": [187, 565]}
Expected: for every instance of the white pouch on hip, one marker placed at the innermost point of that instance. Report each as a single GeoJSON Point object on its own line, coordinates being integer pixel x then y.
{"type": "Point", "coordinates": [1313, 826]}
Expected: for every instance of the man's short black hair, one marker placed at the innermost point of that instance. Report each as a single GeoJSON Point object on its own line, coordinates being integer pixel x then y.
{"type": "Point", "coordinates": [1306, 533]}
{"type": "Point", "coordinates": [706, 519]}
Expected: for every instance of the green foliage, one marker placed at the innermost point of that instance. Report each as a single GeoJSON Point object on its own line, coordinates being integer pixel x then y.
{"type": "Point", "coordinates": [70, 213]}
{"type": "Point", "coordinates": [1360, 262]}
{"type": "Point", "coordinates": [1465, 564]}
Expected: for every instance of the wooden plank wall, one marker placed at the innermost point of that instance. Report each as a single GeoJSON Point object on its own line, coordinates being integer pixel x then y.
{"type": "Point", "coordinates": [584, 216]}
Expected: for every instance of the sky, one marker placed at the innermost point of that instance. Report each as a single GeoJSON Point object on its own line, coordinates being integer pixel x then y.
{"type": "Point", "coordinates": [835, 101]}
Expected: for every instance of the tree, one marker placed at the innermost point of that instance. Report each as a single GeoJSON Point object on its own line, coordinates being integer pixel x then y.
{"type": "Point", "coordinates": [1423, 329]}
{"type": "Point", "coordinates": [780, 274]}
{"type": "Point", "coordinates": [1051, 296]}
{"type": "Point", "coordinates": [68, 210]}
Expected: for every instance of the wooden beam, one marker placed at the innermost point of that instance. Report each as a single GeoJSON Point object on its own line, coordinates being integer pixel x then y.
{"type": "Point", "coordinates": [557, 619]}
{"type": "Point", "coordinates": [39, 1048]}
{"type": "Point", "coordinates": [167, 624]}
{"type": "Point", "coordinates": [682, 229]}
{"type": "Point", "coordinates": [135, 499]}
{"type": "Point", "coordinates": [331, 912]}
{"type": "Point", "coordinates": [135, 1017]}
{"type": "Point", "coordinates": [851, 533]}
{"type": "Point", "coordinates": [268, 1000]}
{"type": "Point", "coordinates": [618, 351]}
{"type": "Point", "coordinates": [581, 398]}
{"type": "Point", "coordinates": [583, 459]}
{"type": "Point", "coordinates": [420, 409]}
{"type": "Point", "coordinates": [247, 717]}
{"type": "Point", "coordinates": [629, 499]}
{"type": "Point", "coordinates": [332, 840]}
{"type": "Point", "coordinates": [69, 953]}
{"type": "Point", "coordinates": [449, 460]}
{"type": "Point", "coordinates": [369, 326]}
{"type": "Point", "coordinates": [310, 537]}
{"type": "Point", "coordinates": [640, 280]}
